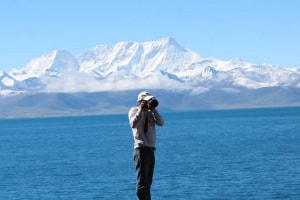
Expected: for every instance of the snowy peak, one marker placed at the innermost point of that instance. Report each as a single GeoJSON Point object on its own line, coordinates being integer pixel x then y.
{"type": "Point", "coordinates": [141, 59]}
{"type": "Point", "coordinates": [52, 64]}
{"type": "Point", "coordinates": [169, 41]}
{"type": "Point", "coordinates": [62, 62]}
{"type": "Point", "coordinates": [164, 43]}
{"type": "Point", "coordinates": [104, 60]}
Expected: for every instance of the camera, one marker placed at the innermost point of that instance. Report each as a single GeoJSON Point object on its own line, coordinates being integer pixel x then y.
{"type": "Point", "coordinates": [153, 102]}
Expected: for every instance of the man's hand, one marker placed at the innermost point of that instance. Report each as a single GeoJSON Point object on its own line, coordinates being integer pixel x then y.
{"type": "Point", "coordinates": [144, 106]}
{"type": "Point", "coordinates": [153, 109]}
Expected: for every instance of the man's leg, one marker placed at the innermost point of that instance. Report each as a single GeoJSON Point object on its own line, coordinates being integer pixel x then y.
{"type": "Point", "coordinates": [145, 161]}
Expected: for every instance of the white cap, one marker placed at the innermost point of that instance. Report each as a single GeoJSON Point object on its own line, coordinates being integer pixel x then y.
{"type": "Point", "coordinates": [147, 98]}
{"type": "Point", "coordinates": [143, 95]}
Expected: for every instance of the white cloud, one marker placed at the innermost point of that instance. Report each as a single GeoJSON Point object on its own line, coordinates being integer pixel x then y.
{"type": "Point", "coordinates": [82, 82]}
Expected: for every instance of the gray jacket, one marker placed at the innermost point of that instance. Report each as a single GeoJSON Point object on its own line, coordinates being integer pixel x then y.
{"type": "Point", "coordinates": [137, 119]}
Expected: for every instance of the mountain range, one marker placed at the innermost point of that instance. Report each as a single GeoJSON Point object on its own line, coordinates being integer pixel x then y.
{"type": "Point", "coordinates": [107, 80]}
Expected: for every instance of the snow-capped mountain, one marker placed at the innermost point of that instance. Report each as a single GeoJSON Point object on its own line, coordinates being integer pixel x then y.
{"type": "Point", "coordinates": [161, 65]}
{"type": "Point", "coordinates": [53, 64]}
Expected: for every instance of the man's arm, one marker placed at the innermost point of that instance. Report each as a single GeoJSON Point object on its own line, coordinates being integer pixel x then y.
{"type": "Point", "coordinates": [134, 116]}
{"type": "Point", "coordinates": [157, 117]}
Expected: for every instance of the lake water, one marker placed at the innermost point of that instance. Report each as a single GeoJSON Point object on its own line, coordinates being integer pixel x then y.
{"type": "Point", "coordinates": [225, 154]}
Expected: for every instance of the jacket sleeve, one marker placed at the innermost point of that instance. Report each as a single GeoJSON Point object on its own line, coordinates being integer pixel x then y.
{"type": "Point", "coordinates": [134, 116]}
{"type": "Point", "coordinates": [158, 118]}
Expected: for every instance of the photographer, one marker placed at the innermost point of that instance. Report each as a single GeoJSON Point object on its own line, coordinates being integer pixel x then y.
{"type": "Point", "coordinates": [143, 119]}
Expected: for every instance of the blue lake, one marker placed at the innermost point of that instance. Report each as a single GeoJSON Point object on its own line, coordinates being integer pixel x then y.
{"type": "Point", "coordinates": [224, 154]}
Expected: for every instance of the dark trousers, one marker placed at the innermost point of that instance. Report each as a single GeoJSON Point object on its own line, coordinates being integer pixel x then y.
{"type": "Point", "coordinates": [144, 159]}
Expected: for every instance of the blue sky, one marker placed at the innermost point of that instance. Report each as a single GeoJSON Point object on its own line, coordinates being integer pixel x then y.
{"type": "Point", "coordinates": [254, 30]}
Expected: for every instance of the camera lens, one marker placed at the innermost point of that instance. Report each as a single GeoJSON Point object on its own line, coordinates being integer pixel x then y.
{"type": "Point", "coordinates": [153, 103]}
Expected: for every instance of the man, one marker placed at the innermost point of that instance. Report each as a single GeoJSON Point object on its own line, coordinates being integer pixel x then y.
{"type": "Point", "coordinates": [143, 119]}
